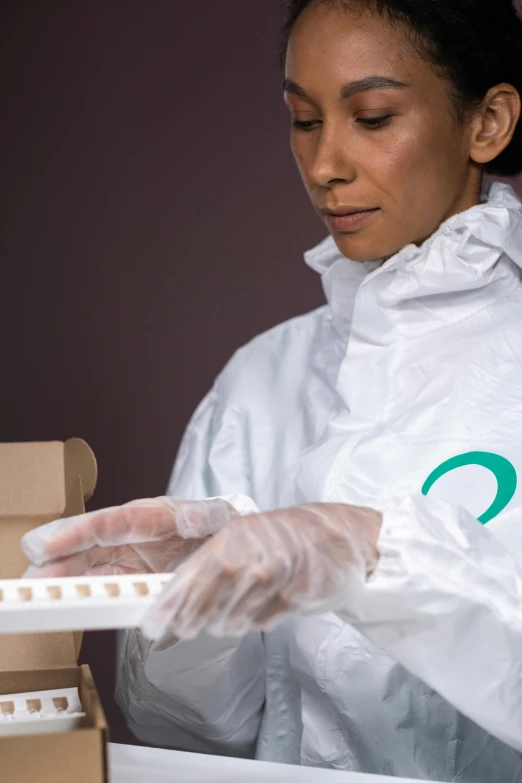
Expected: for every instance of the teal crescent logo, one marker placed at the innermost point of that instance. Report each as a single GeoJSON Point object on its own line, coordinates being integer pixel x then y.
{"type": "Point", "coordinates": [501, 468]}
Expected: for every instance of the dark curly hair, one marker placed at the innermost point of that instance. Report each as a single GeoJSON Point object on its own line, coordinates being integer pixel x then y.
{"type": "Point", "coordinates": [474, 44]}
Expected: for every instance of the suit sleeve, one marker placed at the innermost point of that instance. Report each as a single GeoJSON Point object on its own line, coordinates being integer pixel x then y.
{"type": "Point", "coordinates": [446, 602]}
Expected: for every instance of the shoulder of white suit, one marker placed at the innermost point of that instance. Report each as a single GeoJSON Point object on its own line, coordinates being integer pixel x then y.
{"type": "Point", "coordinates": [258, 360]}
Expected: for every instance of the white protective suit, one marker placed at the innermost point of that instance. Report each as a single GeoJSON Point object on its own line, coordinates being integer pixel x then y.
{"type": "Point", "coordinates": [412, 364]}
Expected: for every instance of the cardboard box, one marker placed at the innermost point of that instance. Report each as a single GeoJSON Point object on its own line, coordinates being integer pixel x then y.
{"type": "Point", "coordinates": [40, 482]}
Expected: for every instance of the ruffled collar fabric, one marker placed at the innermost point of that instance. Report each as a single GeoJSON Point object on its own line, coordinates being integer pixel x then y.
{"type": "Point", "coordinates": [458, 257]}
{"type": "Point", "coordinates": [432, 359]}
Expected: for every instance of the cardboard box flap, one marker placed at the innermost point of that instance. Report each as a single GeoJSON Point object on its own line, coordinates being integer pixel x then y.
{"type": "Point", "coordinates": [36, 479]}
{"type": "Point", "coordinates": [32, 479]}
{"type": "Point", "coordinates": [80, 462]}
{"type": "Point", "coordinates": [22, 652]}
{"type": "Point", "coordinates": [39, 482]}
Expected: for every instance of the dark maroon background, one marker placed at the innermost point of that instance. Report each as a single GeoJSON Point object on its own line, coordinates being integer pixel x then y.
{"type": "Point", "coordinates": [151, 221]}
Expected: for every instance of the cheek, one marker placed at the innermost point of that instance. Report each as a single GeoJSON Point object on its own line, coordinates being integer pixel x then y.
{"type": "Point", "coordinates": [299, 153]}
{"type": "Point", "coordinates": [304, 149]}
{"type": "Point", "coordinates": [417, 168]}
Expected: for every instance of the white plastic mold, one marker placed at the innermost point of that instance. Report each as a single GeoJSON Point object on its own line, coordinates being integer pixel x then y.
{"type": "Point", "coordinates": [77, 603]}
{"type": "Point", "coordinates": [41, 712]}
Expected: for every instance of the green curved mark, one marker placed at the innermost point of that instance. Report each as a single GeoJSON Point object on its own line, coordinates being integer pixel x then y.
{"type": "Point", "coordinates": [501, 468]}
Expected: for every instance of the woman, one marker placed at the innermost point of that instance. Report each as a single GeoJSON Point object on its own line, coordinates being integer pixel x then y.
{"type": "Point", "coordinates": [383, 422]}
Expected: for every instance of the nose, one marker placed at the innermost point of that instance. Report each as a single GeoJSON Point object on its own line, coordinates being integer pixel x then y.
{"type": "Point", "coordinates": [332, 163]}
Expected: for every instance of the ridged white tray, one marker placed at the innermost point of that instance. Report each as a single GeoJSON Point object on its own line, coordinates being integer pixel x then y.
{"type": "Point", "coordinates": [41, 712]}
{"type": "Point", "coordinates": [77, 603]}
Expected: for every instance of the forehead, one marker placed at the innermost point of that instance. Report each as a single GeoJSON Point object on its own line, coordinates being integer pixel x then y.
{"type": "Point", "coordinates": [330, 45]}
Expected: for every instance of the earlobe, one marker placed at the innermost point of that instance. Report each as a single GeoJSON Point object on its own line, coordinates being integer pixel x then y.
{"type": "Point", "coordinates": [495, 123]}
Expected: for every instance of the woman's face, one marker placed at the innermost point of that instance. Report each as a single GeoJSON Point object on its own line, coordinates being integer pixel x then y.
{"type": "Point", "coordinates": [374, 133]}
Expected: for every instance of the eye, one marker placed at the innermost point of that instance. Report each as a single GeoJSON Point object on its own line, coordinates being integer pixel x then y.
{"type": "Point", "coordinates": [374, 122]}
{"type": "Point", "coordinates": [304, 125]}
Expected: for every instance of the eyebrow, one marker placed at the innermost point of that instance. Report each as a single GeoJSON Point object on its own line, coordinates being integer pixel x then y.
{"type": "Point", "coordinates": [352, 88]}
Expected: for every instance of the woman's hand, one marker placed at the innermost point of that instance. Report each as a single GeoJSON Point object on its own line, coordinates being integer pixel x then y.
{"type": "Point", "coordinates": [260, 567]}
{"type": "Point", "coordinates": [144, 536]}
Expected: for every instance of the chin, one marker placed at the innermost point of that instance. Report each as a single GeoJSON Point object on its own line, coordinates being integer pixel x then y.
{"type": "Point", "coordinates": [356, 248]}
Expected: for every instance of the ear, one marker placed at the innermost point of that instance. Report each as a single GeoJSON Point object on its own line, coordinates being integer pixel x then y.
{"type": "Point", "coordinates": [494, 123]}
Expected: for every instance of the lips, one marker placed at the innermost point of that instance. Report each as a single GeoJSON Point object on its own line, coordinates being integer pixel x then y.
{"type": "Point", "coordinates": [348, 219]}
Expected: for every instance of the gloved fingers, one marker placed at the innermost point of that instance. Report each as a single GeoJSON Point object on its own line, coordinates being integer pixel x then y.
{"type": "Point", "coordinates": [263, 566]}
{"type": "Point", "coordinates": [182, 597]}
{"type": "Point", "coordinates": [110, 570]}
{"type": "Point", "coordinates": [221, 587]}
{"type": "Point", "coordinates": [233, 610]}
{"type": "Point", "coordinates": [38, 544]}
{"type": "Point", "coordinates": [258, 606]}
{"type": "Point", "coordinates": [192, 584]}
{"type": "Point", "coordinates": [256, 596]}
{"type": "Point", "coordinates": [39, 572]}
{"type": "Point", "coordinates": [208, 594]}
{"type": "Point", "coordinates": [108, 526]}
{"type": "Point", "coordinates": [272, 613]}
{"type": "Point", "coordinates": [202, 518]}
{"type": "Point", "coordinates": [165, 556]}
{"type": "Point", "coordinates": [193, 518]}
{"type": "Point", "coordinates": [114, 560]}
{"type": "Point", "coordinates": [135, 522]}
{"type": "Point", "coordinates": [322, 571]}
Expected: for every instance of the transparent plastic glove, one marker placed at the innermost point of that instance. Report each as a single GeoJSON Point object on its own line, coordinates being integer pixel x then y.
{"type": "Point", "coordinates": [144, 536]}
{"type": "Point", "coordinates": [260, 567]}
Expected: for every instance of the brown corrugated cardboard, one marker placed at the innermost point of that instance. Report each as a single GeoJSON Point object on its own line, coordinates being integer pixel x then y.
{"type": "Point", "coordinates": [40, 482]}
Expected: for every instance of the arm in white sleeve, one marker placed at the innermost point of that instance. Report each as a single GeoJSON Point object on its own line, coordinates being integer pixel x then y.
{"type": "Point", "coordinates": [445, 601]}
{"type": "Point", "coordinates": [203, 694]}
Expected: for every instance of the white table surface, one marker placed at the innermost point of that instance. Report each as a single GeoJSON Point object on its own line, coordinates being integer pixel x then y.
{"type": "Point", "coordinates": [134, 764]}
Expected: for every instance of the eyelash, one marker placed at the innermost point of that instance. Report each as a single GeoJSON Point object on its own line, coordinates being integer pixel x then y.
{"type": "Point", "coordinates": [304, 125]}
{"type": "Point", "coordinates": [371, 123]}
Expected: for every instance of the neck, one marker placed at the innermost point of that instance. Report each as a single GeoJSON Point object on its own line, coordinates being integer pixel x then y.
{"type": "Point", "coordinates": [470, 191]}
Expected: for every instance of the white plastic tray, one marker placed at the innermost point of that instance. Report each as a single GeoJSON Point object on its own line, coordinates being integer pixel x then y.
{"type": "Point", "coordinates": [41, 712]}
{"type": "Point", "coordinates": [131, 764]}
{"type": "Point", "coordinates": [77, 603]}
